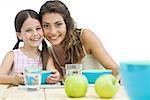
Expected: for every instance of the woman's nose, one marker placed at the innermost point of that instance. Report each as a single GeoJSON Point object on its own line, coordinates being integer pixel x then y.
{"type": "Point", "coordinates": [53, 30]}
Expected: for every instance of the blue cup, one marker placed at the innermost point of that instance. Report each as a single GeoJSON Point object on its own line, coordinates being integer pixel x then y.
{"type": "Point", "coordinates": [45, 74]}
{"type": "Point", "coordinates": [135, 76]}
{"type": "Point", "coordinates": [92, 75]}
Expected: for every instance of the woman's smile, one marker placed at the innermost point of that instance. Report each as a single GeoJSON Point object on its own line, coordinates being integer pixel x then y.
{"type": "Point", "coordinates": [54, 28]}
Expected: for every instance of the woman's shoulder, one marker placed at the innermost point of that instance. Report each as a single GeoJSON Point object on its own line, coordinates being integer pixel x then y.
{"type": "Point", "coordinates": [85, 30]}
{"type": "Point", "coordinates": [82, 31]}
{"type": "Point", "coordinates": [86, 35]}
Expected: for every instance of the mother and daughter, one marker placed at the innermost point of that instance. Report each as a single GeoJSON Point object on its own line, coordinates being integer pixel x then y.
{"type": "Point", "coordinates": [69, 45]}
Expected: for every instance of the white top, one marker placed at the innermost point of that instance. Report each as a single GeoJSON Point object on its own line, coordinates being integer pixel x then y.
{"type": "Point", "coordinates": [90, 62]}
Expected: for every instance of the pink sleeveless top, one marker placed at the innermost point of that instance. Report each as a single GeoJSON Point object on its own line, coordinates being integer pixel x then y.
{"type": "Point", "coordinates": [21, 61]}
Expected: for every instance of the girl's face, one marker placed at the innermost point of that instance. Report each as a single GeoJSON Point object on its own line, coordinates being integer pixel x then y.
{"type": "Point", "coordinates": [31, 32]}
{"type": "Point", "coordinates": [54, 28]}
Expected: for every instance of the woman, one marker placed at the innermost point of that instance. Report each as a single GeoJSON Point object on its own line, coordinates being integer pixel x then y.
{"type": "Point", "coordinates": [70, 44]}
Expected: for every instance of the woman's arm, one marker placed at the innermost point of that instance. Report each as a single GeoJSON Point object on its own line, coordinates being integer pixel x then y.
{"type": "Point", "coordinates": [55, 76]}
{"type": "Point", "coordinates": [94, 46]}
{"type": "Point", "coordinates": [50, 64]}
{"type": "Point", "coordinates": [5, 69]}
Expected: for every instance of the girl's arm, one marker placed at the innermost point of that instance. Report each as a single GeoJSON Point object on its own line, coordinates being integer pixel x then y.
{"type": "Point", "coordinates": [5, 69]}
{"type": "Point", "coordinates": [7, 63]}
{"type": "Point", "coordinates": [94, 46]}
{"type": "Point", "coordinates": [11, 79]}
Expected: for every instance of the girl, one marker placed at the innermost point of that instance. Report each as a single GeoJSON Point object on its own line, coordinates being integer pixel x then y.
{"type": "Point", "coordinates": [28, 29]}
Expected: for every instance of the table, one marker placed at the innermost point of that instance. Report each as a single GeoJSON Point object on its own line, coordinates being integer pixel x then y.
{"type": "Point", "coordinates": [58, 93]}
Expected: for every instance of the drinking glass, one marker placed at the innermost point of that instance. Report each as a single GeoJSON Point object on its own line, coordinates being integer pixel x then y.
{"type": "Point", "coordinates": [73, 69]}
{"type": "Point", "coordinates": [32, 77]}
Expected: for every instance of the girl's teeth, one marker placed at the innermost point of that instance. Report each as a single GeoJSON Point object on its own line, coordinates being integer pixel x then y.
{"type": "Point", "coordinates": [35, 39]}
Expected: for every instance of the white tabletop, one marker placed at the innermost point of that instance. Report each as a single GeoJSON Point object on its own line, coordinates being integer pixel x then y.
{"type": "Point", "coordinates": [51, 92]}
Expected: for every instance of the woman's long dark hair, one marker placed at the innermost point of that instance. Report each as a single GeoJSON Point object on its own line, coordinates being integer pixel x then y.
{"type": "Point", "coordinates": [19, 20]}
{"type": "Point", "coordinates": [71, 44]}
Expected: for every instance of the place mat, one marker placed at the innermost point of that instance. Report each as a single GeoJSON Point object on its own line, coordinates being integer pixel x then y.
{"type": "Point", "coordinates": [91, 85]}
{"type": "Point", "coordinates": [57, 85]}
{"type": "Point", "coordinates": [3, 86]}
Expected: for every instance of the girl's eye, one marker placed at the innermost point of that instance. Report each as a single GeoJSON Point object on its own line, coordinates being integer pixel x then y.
{"type": "Point", "coordinates": [28, 30]}
{"type": "Point", "coordinates": [38, 28]}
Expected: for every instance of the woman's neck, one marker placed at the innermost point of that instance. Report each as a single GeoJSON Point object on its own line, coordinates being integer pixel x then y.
{"type": "Point", "coordinates": [57, 47]}
{"type": "Point", "coordinates": [60, 55]}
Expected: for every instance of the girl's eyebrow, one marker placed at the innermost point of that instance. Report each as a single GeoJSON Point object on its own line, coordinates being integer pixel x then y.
{"type": "Point", "coordinates": [38, 26]}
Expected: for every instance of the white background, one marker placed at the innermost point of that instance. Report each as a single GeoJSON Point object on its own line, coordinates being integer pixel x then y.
{"type": "Point", "coordinates": [123, 26]}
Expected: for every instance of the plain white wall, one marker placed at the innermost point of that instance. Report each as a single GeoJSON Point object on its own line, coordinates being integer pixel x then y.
{"type": "Point", "coordinates": [123, 26]}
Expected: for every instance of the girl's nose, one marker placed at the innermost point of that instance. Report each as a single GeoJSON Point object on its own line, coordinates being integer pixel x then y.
{"type": "Point", "coordinates": [35, 32]}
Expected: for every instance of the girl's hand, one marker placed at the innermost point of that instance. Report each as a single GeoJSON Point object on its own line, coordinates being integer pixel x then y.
{"type": "Point", "coordinates": [18, 79]}
{"type": "Point", "coordinates": [54, 77]}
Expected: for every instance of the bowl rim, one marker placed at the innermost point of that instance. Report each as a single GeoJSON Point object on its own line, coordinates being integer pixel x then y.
{"type": "Point", "coordinates": [135, 62]}
{"type": "Point", "coordinates": [46, 71]}
{"type": "Point", "coordinates": [96, 71]}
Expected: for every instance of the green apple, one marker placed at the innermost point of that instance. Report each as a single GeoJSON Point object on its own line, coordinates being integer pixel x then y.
{"type": "Point", "coordinates": [106, 86]}
{"type": "Point", "coordinates": [76, 86]}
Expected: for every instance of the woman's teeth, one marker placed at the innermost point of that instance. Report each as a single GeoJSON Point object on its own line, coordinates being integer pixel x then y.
{"type": "Point", "coordinates": [53, 38]}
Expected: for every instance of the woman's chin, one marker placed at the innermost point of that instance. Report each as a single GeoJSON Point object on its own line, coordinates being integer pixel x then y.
{"type": "Point", "coordinates": [55, 42]}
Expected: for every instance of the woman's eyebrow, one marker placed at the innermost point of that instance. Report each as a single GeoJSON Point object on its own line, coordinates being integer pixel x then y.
{"type": "Point", "coordinates": [58, 22]}
{"type": "Point", "coordinates": [45, 23]}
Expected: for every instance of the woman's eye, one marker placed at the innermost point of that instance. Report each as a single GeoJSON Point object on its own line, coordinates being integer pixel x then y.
{"type": "Point", "coordinates": [45, 26]}
{"type": "Point", "coordinates": [58, 24]}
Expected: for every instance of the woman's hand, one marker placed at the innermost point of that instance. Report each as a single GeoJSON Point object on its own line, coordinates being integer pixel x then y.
{"type": "Point", "coordinates": [18, 79]}
{"type": "Point", "coordinates": [54, 77]}
{"type": "Point", "coordinates": [119, 79]}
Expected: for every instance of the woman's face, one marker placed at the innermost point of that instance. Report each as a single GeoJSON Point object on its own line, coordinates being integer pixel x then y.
{"type": "Point", "coordinates": [54, 27]}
